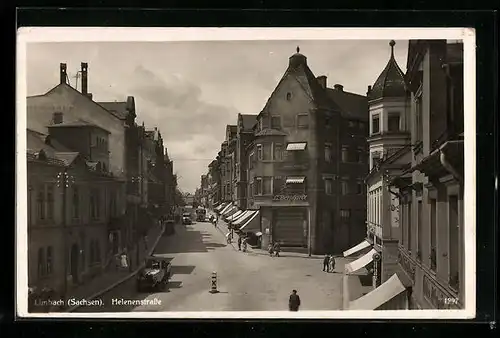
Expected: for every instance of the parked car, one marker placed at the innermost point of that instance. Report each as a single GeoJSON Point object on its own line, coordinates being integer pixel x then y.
{"type": "Point", "coordinates": [155, 274]}
{"type": "Point", "coordinates": [201, 215]}
{"type": "Point", "coordinates": [186, 219]}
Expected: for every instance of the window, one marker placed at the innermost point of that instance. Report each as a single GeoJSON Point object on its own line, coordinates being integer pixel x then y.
{"type": "Point", "coordinates": [376, 124]}
{"type": "Point", "coordinates": [345, 214]}
{"type": "Point", "coordinates": [266, 156]}
{"type": "Point", "coordinates": [393, 122]}
{"type": "Point", "coordinates": [344, 187]}
{"type": "Point", "coordinates": [419, 229]}
{"type": "Point", "coordinates": [328, 153]}
{"type": "Point", "coordinates": [258, 186]}
{"type": "Point", "coordinates": [40, 203]}
{"type": "Point", "coordinates": [49, 261]}
{"type": "Point", "coordinates": [345, 154]}
{"type": "Point", "coordinates": [50, 202]}
{"type": "Point", "coordinates": [41, 262]}
{"type": "Point", "coordinates": [453, 227]}
{"type": "Point", "coordinates": [276, 122]}
{"type": "Point", "coordinates": [251, 159]}
{"type": "Point", "coordinates": [359, 188]}
{"type": "Point", "coordinates": [303, 121]}
{"type": "Point", "coordinates": [278, 185]}
{"type": "Point", "coordinates": [328, 186]}
{"type": "Point", "coordinates": [259, 152]}
{"type": "Point", "coordinates": [288, 96]}
{"type": "Point", "coordinates": [419, 118]}
{"type": "Point", "coordinates": [251, 190]}
{"type": "Point", "coordinates": [278, 152]}
{"type": "Point", "coordinates": [267, 185]}
{"type": "Point", "coordinates": [375, 158]}
{"type": "Point", "coordinates": [433, 215]}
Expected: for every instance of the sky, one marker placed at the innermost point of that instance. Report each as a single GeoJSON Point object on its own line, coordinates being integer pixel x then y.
{"type": "Point", "coordinates": [192, 90]}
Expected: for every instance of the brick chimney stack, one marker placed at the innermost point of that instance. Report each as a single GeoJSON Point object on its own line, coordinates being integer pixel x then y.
{"type": "Point", "coordinates": [62, 73]}
{"type": "Point", "coordinates": [368, 92]}
{"type": "Point", "coordinates": [85, 86]}
{"type": "Point", "coordinates": [322, 81]}
{"type": "Point", "coordinates": [339, 87]}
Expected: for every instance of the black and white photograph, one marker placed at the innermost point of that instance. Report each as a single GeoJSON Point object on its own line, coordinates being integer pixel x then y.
{"type": "Point", "coordinates": [233, 173]}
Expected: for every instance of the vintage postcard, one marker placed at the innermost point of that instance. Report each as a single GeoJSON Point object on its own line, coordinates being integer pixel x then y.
{"type": "Point", "coordinates": [246, 173]}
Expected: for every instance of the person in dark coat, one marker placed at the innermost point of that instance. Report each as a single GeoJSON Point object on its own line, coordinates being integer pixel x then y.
{"type": "Point", "coordinates": [326, 261]}
{"type": "Point", "coordinates": [294, 301]}
{"type": "Point", "coordinates": [239, 242]}
{"type": "Point", "coordinates": [277, 248]}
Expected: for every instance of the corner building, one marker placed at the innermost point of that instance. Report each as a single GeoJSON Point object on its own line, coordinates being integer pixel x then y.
{"type": "Point", "coordinates": [306, 163]}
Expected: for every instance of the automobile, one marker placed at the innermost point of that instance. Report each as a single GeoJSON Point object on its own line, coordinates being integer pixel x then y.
{"type": "Point", "coordinates": [186, 219]}
{"type": "Point", "coordinates": [201, 215]}
{"type": "Point", "coordinates": [155, 274]}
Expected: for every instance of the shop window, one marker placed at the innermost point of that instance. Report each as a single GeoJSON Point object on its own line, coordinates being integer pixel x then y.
{"type": "Point", "coordinates": [328, 186]}
{"type": "Point", "coordinates": [453, 227]}
{"type": "Point", "coordinates": [302, 121]}
{"type": "Point", "coordinates": [375, 124]}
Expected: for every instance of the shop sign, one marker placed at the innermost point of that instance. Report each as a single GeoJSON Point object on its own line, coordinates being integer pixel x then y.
{"type": "Point", "coordinates": [294, 197]}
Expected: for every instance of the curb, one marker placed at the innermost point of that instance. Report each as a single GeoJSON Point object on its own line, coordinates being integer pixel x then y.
{"type": "Point", "coordinates": [124, 279]}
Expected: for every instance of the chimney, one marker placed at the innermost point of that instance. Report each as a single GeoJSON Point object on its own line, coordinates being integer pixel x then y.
{"type": "Point", "coordinates": [85, 86]}
{"type": "Point", "coordinates": [62, 73]}
{"type": "Point", "coordinates": [369, 91]}
{"type": "Point", "coordinates": [322, 81]}
{"type": "Point", "coordinates": [90, 95]}
{"type": "Point", "coordinates": [57, 118]}
{"type": "Point", "coordinates": [339, 87]}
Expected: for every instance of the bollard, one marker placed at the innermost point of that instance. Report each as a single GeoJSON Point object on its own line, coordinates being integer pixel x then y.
{"type": "Point", "coordinates": [213, 283]}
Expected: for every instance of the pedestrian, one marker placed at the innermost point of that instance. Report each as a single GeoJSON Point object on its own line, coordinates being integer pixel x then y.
{"type": "Point", "coordinates": [294, 301]}
{"type": "Point", "coordinates": [326, 262]}
{"type": "Point", "coordinates": [277, 249]}
{"type": "Point", "coordinates": [331, 264]}
{"type": "Point", "coordinates": [239, 242]}
{"type": "Point", "coordinates": [244, 243]}
{"type": "Point", "coordinates": [270, 249]}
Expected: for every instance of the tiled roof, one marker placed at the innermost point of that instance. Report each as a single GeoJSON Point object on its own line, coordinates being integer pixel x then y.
{"type": "Point", "coordinates": [248, 121]}
{"type": "Point", "coordinates": [36, 141]}
{"type": "Point", "coordinates": [299, 69]}
{"type": "Point", "coordinates": [352, 106]}
{"type": "Point", "coordinates": [390, 82]}
{"type": "Point", "coordinates": [77, 123]}
{"type": "Point", "coordinates": [270, 132]}
{"type": "Point", "coordinates": [119, 109]}
{"type": "Point", "coordinates": [66, 157]}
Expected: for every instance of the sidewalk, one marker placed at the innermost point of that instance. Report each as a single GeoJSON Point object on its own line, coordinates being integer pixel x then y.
{"type": "Point", "coordinates": [112, 277]}
{"type": "Point", "coordinates": [222, 227]}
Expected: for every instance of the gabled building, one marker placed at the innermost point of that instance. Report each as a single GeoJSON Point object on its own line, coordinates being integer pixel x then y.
{"type": "Point", "coordinates": [244, 137]}
{"type": "Point", "coordinates": [305, 164]}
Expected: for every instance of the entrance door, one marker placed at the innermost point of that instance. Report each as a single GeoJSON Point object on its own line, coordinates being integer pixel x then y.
{"type": "Point", "coordinates": [74, 263]}
{"type": "Point", "coordinates": [289, 227]}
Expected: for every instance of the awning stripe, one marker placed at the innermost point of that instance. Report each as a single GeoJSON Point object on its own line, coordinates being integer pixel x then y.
{"type": "Point", "coordinates": [226, 208]}
{"type": "Point", "coordinates": [235, 215]}
{"type": "Point", "coordinates": [381, 295]}
{"type": "Point", "coordinates": [359, 247]}
{"type": "Point", "coordinates": [240, 216]}
{"type": "Point", "coordinates": [296, 146]}
{"type": "Point", "coordinates": [243, 218]}
{"type": "Point", "coordinates": [249, 220]}
{"type": "Point", "coordinates": [360, 262]}
{"type": "Point", "coordinates": [295, 179]}
{"type": "Point", "coordinates": [220, 207]}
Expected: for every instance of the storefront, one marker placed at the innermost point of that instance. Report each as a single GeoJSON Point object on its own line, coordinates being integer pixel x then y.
{"type": "Point", "coordinates": [289, 226]}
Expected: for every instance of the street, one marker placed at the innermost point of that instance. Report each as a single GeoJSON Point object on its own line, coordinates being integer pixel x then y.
{"type": "Point", "coordinates": [251, 281]}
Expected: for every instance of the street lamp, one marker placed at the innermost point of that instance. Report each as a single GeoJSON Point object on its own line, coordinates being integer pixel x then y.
{"type": "Point", "coordinates": [63, 181]}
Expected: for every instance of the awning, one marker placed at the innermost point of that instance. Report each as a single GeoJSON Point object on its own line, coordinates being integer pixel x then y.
{"type": "Point", "coordinates": [244, 214]}
{"type": "Point", "coordinates": [381, 295]}
{"type": "Point", "coordinates": [231, 211]}
{"type": "Point", "coordinates": [296, 146]}
{"type": "Point", "coordinates": [220, 207]}
{"type": "Point", "coordinates": [243, 218]}
{"type": "Point", "coordinates": [235, 215]}
{"type": "Point", "coordinates": [360, 262]}
{"type": "Point", "coordinates": [299, 179]}
{"type": "Point", "coordinates": [359, 247]}
{"type": "Point", "coordinates": [254, 215]}
{"type": "Point", "coordinates": [226, 208]}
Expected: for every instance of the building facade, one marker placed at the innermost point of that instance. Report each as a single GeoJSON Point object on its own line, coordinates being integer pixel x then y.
{"type": "Point", "coordinates": [305, 163]}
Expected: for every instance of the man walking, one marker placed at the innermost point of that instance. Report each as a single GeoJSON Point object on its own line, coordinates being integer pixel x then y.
{"type": "Point", "coordinates": [239, 242]}
{"type": "Point", "coordinates": [326, 263]}
{"type": "Point", "coordinates": [294, 301]}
